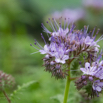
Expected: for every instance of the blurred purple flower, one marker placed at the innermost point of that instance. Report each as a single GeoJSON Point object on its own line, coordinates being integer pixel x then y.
{"type": "Point", "coordinates": [97, 85]}
{"type": "Point", "coordinates": [93, 3]}
{"type": "Point", "coordinates": [99, 73]}
{"type": "Point", "coordinates": [73, 14]}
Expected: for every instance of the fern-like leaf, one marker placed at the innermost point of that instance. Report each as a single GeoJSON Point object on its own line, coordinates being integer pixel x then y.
{"type": "Point", "coordinates": [20, 88]}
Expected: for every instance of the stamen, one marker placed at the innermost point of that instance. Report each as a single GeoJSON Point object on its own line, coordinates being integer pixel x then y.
{"type": "Point", "coordinates": [64, 23]}
{"type": "Point", "coordinates": [72, 28]}
{"type": "Point", "coordinates": [68, 22]}
{"type": "Point", "coordinates": [96, 34]}
{"type": "Point", "coordinates": [52, 25]}
{"type": "Point", "coordinates": [35, 52]}
{"type": "Point", "coordinates": [99, 56]}
{"type": "Point", "coordinates": [45, 29]}
{"type": "Point", "coordinates": [56, 24]}
{"type": "Point", "coordinates": [90, 33]}
{"type": "Point", "coordinates": [34, 47]}
{"type": "Point", "coordinates": [93, 31]}
{"type": "Point", "coordinates": [60, 20]}
{"type": "Point", "coordinates": [100, 39]}
{"type": "Point", "coordinates": [38, 44]}
{"type": "Point", "coordinates": [43, 38]}
{"type": "Point", "coordinates": [60, 25]}
{"type": "Point", "coordinates": [85, 30]}
{"type": "Point", "coordinates": [49, 25]}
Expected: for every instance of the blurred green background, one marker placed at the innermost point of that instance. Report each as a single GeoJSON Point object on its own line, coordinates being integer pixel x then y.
{"type": "Point", "coordinates": [20, 23]}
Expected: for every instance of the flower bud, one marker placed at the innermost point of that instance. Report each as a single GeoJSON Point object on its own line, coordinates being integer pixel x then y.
{"type": "Point", "coordinates": [57, 66]}
{"type": "Point", "coordinates": [47, 56]}
{"type": "Point", "coordinates": [46, 63]}
{"type": "Point", "coordinates": [90, 78]}
{"type": "Point", "coordinates": [52, 63]}
{"type": "Point", "coordinates": [84, 82]}
{"type": "Point", "coordinates": [83, 77]}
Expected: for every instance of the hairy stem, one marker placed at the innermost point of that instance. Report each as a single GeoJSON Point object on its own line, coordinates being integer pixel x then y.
{"type": "Point", "coordinates": [9, 101]}
{"type": "Point", "coordinates": [67, 86]}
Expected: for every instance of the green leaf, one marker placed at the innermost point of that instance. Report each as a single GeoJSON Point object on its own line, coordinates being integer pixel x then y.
{"type": "Point", "coordinates": [58, 98]}
{"type": "Point", "coordinates": [20, 88]}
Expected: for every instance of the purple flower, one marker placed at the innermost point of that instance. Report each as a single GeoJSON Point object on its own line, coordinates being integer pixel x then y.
{"type": "Point", "coordinates": [95, 70]}
{"type": "Point", "coordinates": [72, 14]}
{"type": "Point", "coordinates": [88, 69]}
{"type": "Point", "coordinates": [66, 44]}
{"type": "Point", "coordinates": [90, 42]}
{"type": "Point", "coordinates": [97, 86]}
{"type": "Point", "coordinates": [60, 56]}
{"type": "Point", "coordinates": [99, 73]}
{"type": "Point", "coordinates": [60, 32]}
{"type": "Point", "coordinates": [53, 48]}
{"type": "Point", "coordinates": [93, 3]}
{"type": "Point", "coordinates": [101, 63]}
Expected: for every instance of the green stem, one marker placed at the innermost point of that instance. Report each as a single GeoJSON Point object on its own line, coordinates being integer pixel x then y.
{"type": "Point", "coordinates": [67, 86]}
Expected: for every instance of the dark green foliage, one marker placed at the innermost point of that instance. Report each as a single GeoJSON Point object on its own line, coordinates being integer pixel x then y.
{"type": "Point", "coordinates": [75, 67]}
{"type": "Point", "coordinates": [58, 98]}
{"type": "Point", "coordinates": [83, 58]}
{"type": "Point", "coordinates": [86, 99]}
{"type": "Point", "coordinates": [88, 89]}
{"type": "Point", "coordinates": [77, 63]}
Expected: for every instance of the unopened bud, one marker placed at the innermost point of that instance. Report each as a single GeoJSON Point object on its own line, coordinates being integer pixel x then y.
{"type": "Point", "coordinates": [57, 66]}
{"type": "Point", "coordinates": [91, 78]}
{"type": "Point", "coordinates": [83, 77]}
{"type": "Point", "coordinates": [47, 56]}
{"type": "Point", "coordinates": [52, 63]}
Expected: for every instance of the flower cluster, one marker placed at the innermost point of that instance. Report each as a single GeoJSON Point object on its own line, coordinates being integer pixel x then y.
{"type": "Point", "coordinates": [92, 75]}
{"type": "Point", "coordinates": [6, 80]}
{"type": "Point", "coordinates": [64, 45]}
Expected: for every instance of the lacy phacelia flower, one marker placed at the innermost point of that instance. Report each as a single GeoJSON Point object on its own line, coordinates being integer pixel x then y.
{"type": "Point", "coordinates": [65, 44]}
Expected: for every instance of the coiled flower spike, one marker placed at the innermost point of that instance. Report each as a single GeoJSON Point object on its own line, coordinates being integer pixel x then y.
{"type": "Point", "coordinates": [65, 44]}
{"type": "Point", "coordinates": [93, 76]}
